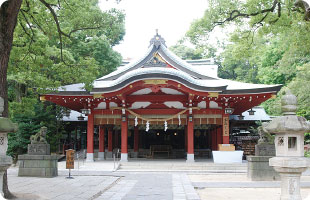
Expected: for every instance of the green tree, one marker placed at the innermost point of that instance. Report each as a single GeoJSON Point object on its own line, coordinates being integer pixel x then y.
{"type": "Point", "coordinates": [46, 35]}
{"type": "Point", "coordinates": [31, 115]}
{"type": "Point", "coordinates": [186, 53]}
{"type": "Point", "coordinates": [268, 43]}
{"type": "Point", "coordinates": [42, 58]}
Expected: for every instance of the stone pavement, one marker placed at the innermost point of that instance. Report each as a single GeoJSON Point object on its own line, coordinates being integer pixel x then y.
{"type": "Point", "coordinates": [238, 187]}
{"type": "Point", "coordinates": [79, 188]}
{"type": "Point", "coordinates": [91, 183]}
{"type": "Point", "coordinates": [99, 181]}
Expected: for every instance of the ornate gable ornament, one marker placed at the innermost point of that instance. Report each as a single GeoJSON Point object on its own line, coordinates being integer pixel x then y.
{"type": "Point", "coordinates": [157, 40]}
{"type": "Point", "coordinates": [155, 61]}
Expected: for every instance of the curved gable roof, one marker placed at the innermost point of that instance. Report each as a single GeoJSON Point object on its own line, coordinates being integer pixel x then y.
{"type": "Point", "coordinates": [158, 73]}
{"type": "Point", "coordinates": [157, 45]}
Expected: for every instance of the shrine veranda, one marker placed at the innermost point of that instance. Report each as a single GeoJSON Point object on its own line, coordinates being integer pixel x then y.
{"type": "Point", "coordinates": [162, 102]}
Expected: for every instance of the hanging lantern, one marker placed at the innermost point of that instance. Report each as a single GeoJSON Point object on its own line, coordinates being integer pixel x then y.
{"type": "Point", "coordinates": [85, 111]}
{"type": "Point", "coordinates": [179, 117]}
{"type": "Point", "coordinates": [123, 118]}
{"type": "Point", "coordinates": [166, 125]}
{"type": "Point", "coordinates": [241, 117]}
{"type": "Point", "coordinates": [229, 110]}
{"type": "Point", "coordinates": [251, 112]}
{"type": "Point", "coordinates": [147, 126]}
{"type": "Point", "coordinates": [80, 118]}
{"type": "Point", "coordinates": [136, 121]}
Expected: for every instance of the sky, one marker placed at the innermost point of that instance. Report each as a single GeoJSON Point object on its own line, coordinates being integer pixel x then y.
{"type": "Point", "coordinates": [172, 18]}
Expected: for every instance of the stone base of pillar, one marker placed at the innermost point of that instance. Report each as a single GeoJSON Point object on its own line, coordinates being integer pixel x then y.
{"type": "Point", "coordinates": [90, 157]}
{"type": "Point", "coordinates": [290, 169]}
{"type": "Point", "coordinates": [290, 186]}
{"type": "Point", "coordinates": [6, 162]}
{"type": "Point", "coordinates": [134, 154]}
{"type": "Point", "coordinates": [190, 158]}
{"type": "Point", "coordinates": [100, 155]}
{"type": "Point", "coordinates": [124, 157]}
{"type": "Point", "coordinates": [109, 154]}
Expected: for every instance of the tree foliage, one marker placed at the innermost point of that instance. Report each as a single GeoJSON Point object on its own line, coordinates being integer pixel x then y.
{"type": "Point", "coordinates": [186, 53]}
{"type": "Point", "coordinates": [63, 42]}
{"type": "Point", "coordinates": [56, 43]}
{"type": "Point", "coordinates": [40, 49]}
{"type": "Point", "coordinates": [268, 43]}
{"type": "Point", "coordinates": [31, 115]}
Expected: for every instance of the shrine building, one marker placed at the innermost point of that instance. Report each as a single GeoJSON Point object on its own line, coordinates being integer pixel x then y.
{"type": "Point", "coordinates": [161, 103]}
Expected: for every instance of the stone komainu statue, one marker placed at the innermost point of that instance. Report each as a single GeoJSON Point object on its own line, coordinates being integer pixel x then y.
{"type": "Point", "coordinates": [264, 136]}
{"type": "Point", "coordinates": [40, 137]}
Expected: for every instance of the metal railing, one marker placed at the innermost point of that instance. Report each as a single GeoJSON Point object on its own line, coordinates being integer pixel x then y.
{"type": "Point", "coordinates": [81, 155]}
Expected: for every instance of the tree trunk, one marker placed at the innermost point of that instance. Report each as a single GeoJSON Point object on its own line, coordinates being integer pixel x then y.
{"type": "Point", "coordinates": [8, 18]}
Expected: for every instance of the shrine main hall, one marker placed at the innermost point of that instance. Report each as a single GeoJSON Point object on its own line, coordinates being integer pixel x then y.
{"type": "Point", "coordinates": [160, 104]}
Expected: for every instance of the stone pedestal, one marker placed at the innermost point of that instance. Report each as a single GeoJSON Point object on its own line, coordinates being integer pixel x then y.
{"type": "Point", "coordinates": [259, 169]}
{"type": "Point", "coordinates": [39, 149]}
{"type": "Point", "coordinates": [38, 165]}
{"type": "Point", "coordinates": [190, 158]}
{"type": "Point", "coordinates": [101, 156]}
{"type": "Point", "coordinates": [38, 162]}
{"type": "Point", "coordinates": [90, 157]}
{"type": "Point", "coordinates": [124, 157]}
{"type": "Point", "coordinates": [290, 170]}
{"type": "Point", "coordinates": [265, 149]}
{"type": "Point", "coordinates": [109, 154]}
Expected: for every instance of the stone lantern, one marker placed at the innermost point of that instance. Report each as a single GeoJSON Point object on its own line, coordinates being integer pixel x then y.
{"type": "Point", "coordinates": [6, 126]}
{"type": "Point", "coordinates": [289, 132]}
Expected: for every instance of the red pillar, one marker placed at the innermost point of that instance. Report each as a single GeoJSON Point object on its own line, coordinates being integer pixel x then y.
{"type": "Point", "coordinates": [190, 137]}
{"type": "Point", "coordinates": [110, 139]}
{"type": "Point", "coordinates": [136, 139]}
{"type": "Point", "coordinates": [190, 140]}
{"type": "Point", "coordinates": [90, 137]}
{"type": "Point", "coordinates": [101, 138]}
{"type": "Point", "coordinates": [225, 129]}
{"type": "Point", "coordinates": [124, 129]}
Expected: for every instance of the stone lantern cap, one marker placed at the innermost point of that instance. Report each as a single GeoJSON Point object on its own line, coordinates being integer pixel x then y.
{"type": "Point", "coordinates": [289, 122]}
{"type": "Point", "coordinates": [6, 125]}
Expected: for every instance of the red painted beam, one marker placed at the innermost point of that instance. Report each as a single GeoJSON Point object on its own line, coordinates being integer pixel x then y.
{"type": "Point", "coordinates": [158, 111]}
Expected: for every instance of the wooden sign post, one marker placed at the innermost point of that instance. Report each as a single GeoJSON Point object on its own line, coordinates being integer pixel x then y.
{"type": "Point", "coordinates": [70, 161]}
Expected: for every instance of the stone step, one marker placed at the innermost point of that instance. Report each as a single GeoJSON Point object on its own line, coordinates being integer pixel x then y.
{"type": "Point", "coordinates": [163, 166]}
